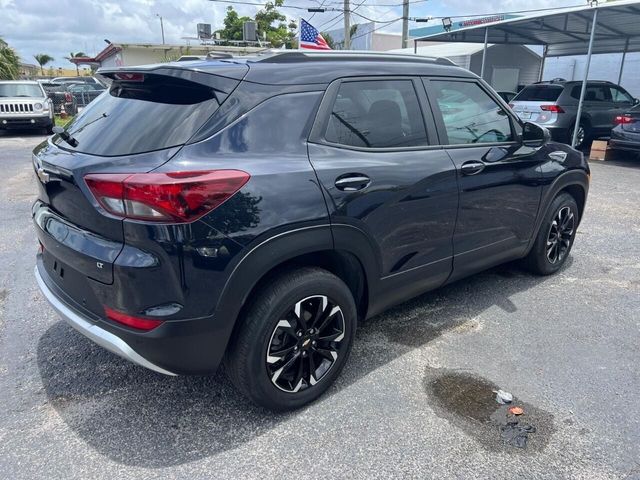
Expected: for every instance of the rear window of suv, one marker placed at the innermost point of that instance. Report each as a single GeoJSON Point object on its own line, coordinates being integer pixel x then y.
{"type": "Point", "coordinates": [148, 112]}
{"type": "Point", "coordinates": [539, 93]}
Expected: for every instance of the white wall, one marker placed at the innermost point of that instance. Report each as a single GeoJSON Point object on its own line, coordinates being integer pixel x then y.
{"type": "Point", "coordinates": [603, 67]}
{"type": "Point", "coordinates": [508, 56]}
{"type": "Point", "coordinates": [381, 42]}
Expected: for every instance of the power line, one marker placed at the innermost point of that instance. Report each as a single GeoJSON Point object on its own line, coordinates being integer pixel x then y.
{"type": "Point", "coordinates": [383, 25]}
{"type": "Point", "coordinates": [319, 6]}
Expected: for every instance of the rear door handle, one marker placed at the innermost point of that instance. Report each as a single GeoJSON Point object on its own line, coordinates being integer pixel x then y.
{"type": "Point", "coordinates": [352, 182]}
{"type": "Point", "coordinates": [472, 167]}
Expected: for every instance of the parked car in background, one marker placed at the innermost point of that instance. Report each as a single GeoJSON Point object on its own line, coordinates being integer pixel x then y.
{"type": "Point", "coordinates": [554, 105]}
{"type": "Point", "coordinates": [253, 211]}
{"type": "Point", "coordinates": [625, 135]}
{"type": "Point", "coordinates": [90, 80]}
{"type": "Point", "coordinates": [25, 105]}
{"type": "Point", "coordinates": [85, 93]}
{"type": "Point", "coordinates": [60, 96]}
{"type": "Point", "coordinates": [507, 96]}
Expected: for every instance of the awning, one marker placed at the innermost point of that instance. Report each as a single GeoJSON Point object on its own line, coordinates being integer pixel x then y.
{"type": "Point", "coordinates": [563, 32]}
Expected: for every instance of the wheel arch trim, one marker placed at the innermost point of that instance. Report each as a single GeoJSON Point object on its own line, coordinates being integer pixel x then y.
{"type": "Point", "coordinates": [575, 177]}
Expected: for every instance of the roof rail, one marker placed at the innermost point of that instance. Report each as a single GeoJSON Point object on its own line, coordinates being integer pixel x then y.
{"type": "Point", "coordinates": [294, 56]}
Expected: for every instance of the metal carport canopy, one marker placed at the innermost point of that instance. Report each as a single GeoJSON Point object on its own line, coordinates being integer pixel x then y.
{"type": "Point", "coordinates": [563, 31]}
{"type": "Point", "coordinates": [613, 27]}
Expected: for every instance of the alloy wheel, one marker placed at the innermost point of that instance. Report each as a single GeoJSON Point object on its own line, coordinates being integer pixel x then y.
{"type": "Point", "coordinates": [580, 136]}
{"type": "Point", "coordinates": [560, 234]}
{"type": "Point", "coordinates": [305, 344]}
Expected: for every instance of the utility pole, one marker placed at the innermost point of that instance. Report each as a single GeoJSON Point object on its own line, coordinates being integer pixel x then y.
{"type": "Point", "coordinates": [161, 26]}
{"type": "Point", "coordinates": [405, 23]}
{"type": "Point", "coordinates": [347, 26]}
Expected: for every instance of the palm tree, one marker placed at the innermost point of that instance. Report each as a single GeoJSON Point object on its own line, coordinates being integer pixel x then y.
{"type": "Point", "coordinates": [76, 55]}
{"type": "Point", "coordinates": [9, 62]}
{"type": "Point", "coordinates": [43, 59]}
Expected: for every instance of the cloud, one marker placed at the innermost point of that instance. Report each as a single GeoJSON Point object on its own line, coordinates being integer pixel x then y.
{"type": "Point", "coordinates": [57, 27]}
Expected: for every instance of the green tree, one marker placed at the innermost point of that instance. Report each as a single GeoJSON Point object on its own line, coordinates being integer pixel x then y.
{"type": "Point", "coordinates": [270, 23]}
{"type": "Point", "coordinates": [74, 55]}
{"type": "Point", "coordinates": [232, 25]}
{"type": "Point", "coordinates": [329, 39]}
{"type": "Point", "coordinates": [9, 62]}
{"type": "Point", "coordinates": [43, 59]}
{"type": "Point", "coordinates": [273, 24]}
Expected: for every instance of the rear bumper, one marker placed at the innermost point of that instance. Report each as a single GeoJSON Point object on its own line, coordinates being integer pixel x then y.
{"type": "Point", "coordinates": [624, 145]}
{"type": "Point", "coordinates": [90, 330]}
{"type": "Point", "coordinates": [176, 347]}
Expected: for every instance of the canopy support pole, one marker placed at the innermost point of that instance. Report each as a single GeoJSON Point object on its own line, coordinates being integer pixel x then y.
{"type": "Point", "coordinates": [624, 56]}
{"type": "Point", "coordinates": [484, 51]}
{"type": "Point", "coordinates": [544, 57]}
{"type": "Point", "coordinates": [586, 74]}
{"type": "Point", "coordinates": [415, 46]}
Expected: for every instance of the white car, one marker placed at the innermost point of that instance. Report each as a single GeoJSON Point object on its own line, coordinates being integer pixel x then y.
{"type": "Point", "coordinates": [25, 104]}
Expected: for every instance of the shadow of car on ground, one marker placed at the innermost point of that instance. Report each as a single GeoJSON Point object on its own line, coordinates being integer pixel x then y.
{"type": "Point", "coordinates": [138, 417]}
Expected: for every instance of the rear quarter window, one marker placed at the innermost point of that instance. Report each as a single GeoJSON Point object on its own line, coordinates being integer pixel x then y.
{"type": "Point", "coordinates": [136, 117]}
{"type": "Point", "coordinates": [539, 93]}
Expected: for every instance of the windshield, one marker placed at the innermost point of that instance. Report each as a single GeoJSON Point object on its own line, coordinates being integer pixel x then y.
{"type": "Point", "coordinates": [20, 90]}
{"type": "Point", "coordinates": [135, 117]}
{"type": "Point", "coordinates": [539, 93]}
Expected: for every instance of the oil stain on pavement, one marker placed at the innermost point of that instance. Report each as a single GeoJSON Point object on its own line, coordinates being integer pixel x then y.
{"type": "Point", "coordinates": [468, 402]}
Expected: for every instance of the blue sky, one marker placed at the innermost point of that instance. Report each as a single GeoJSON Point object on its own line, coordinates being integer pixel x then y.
{"type": "Point", "coordinates": [57, 27]}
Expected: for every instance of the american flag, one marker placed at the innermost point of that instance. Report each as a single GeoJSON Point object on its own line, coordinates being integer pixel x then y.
{"type": "Point", "coordinates": [310, 37]}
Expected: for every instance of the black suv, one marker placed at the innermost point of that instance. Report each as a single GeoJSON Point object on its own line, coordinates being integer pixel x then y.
{"type": "Point", "coordinates": [253, 210]}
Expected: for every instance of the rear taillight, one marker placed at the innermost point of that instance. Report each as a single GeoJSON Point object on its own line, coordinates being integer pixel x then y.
{"type": "Point", "coordinates": [138, 323]}
{"type": "Point", "coordinates": [67, 97]}
{"type": "Point", "coordinates": [130, 76]}
{"type": "Point", "coordinates": [622, 119]}
{"type": "Point", "coordinates": [552, 108]}
{"type": "Point", "coordinates": [175, 197]}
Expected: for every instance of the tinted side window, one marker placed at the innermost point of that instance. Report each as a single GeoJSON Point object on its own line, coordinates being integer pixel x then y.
{"type": "Point", "coordinates": [619, 95]}
{"type": "Point", "coordinates": [593, 93]}
{"type": "Point", "coordinates": [377, 114]}
{"type": "Point", "coordinates": [470, 115]}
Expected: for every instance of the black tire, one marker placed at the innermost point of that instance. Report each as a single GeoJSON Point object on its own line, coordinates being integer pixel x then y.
{"type": "Point", "coordinates": [586, 141]}
{"type": "Point", "coordinates": [247, 362]}
{"type": "Point", "coordinates": [539, 260]}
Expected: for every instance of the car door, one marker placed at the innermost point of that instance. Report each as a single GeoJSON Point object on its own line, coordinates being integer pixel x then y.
{"type": "Point", "coordinates": [498, 177]}
{"type": "Point", "coordinates": [383, 175]}
{"type": "Point", "coordinates": [597, 106]}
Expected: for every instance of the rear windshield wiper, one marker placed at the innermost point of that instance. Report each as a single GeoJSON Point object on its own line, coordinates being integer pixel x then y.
{"type": "Point", "coordinates": [65, 136]}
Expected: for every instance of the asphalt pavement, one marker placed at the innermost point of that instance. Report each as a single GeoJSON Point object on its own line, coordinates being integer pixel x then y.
{"type": "Point", "coordinates": [414, 401]}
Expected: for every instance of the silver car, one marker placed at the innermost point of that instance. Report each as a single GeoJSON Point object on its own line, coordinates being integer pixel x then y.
{"type": "Point", "coordinates": [554, 105]}
{"type": "Point", "coordinates": [25, 104]}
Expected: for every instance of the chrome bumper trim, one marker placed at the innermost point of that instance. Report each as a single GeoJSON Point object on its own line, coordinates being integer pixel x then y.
{"type": "Point", "coordinates": [100, 336]}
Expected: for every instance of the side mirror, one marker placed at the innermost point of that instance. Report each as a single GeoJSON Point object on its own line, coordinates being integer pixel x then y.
{"type": "Point", "coordinates": [636, 101]}
{"type": "Point", "coordinates": [534, 136]}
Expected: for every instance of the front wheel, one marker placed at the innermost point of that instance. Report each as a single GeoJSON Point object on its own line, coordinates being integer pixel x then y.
{"type": "Point", "coordinates": [555, 237]}
{"type": "Point", "coordinates": [293, 340]}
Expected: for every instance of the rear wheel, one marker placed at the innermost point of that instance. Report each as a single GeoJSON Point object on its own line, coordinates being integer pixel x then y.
{"type": "Point", "coordinates": [555, 237]}
{"type": "Point", "coordinates": [583, 139]}
{"type": "Point", "coordinates": [293, 340]}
